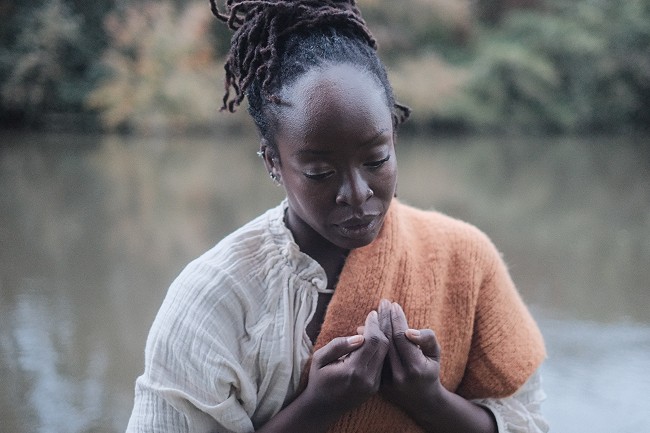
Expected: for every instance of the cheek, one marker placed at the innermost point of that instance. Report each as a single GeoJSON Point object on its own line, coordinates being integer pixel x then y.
{"type": "Point", "coordinates": [386, 183]}
{"type": "Point", "coordinates": [311, 198]}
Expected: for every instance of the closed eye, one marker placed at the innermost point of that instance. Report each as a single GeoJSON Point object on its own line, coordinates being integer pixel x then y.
{"type": "Point", "coordinates": [377, 164]}
{"type": "Point", "coordinates": [318, 176]}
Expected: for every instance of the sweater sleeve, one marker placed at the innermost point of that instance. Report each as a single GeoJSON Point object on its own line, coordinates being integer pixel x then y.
{"type": "Point", "coordinates": [507, 346]}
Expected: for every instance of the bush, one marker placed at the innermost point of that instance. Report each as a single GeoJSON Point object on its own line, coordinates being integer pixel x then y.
{"type": "Point", "coordinates": [162, 69]}
{"type": "Point", "coordinates": [559, 67]}
{"type": "Point", "coordinates": [35, 77]}
{"type": "Point", "coordinates": [426, 84]}
{"type": "Point", "coordinates": [582, 66]}
{"type": "Point", "coordinates": [417, 27]}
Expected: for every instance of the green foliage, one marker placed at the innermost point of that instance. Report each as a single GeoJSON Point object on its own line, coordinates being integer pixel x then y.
{"type": "Point", "coordinates": [510, 82]}
{"type": "Point", "coordinates": [163, 72]}
{"type": "Point", "coordinates": [584, 66]}
{"type": "Point", "coordinates": [35, 77]}
{"type": "Point", "coordinates": [48, 51]}
{"type": "Point", "coordinates": [426, 83]}
{"type": "Point", "coordinates": [417, 27]}
{"type": "Point", "coordinates": [536, 66]}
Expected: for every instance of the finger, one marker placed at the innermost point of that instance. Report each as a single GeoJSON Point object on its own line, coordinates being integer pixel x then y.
{"type": "Point", "coordinates": [335, 349]}
{"type": "Point", "coordinates": [426, 339]}
{"type": "Point", "coordinates": [361, 329]}
{"type": "Point", "coordinates": [384, 318]}
{"type": "Point", "coordinates": [398, 318]}
{"type": "Point", "coordinates": [376, 343]}
{"type": "Point", "coordinates": [393, 361]}
{"type": "Point", "coordinates": [387, 329]}
{"type": "Point", "coordinates": [405, 348]}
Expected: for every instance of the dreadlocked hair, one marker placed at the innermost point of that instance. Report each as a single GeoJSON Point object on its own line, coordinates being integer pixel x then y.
{"type": "Point", "coordinates": [276, 41]}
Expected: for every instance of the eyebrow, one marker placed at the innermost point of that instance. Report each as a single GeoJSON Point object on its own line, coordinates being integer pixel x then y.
{"type": "Point", "coordinates": [366, 143]}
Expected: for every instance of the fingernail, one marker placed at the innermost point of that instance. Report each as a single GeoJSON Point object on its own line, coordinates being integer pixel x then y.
{"type": "Point", "coordinates": [355, 339]}
{"type": "Point", "coordinates": [413, 332]}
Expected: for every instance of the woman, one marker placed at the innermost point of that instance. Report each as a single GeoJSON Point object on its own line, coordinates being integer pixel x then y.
{"type": "Point", "coordinates": [320, 314]}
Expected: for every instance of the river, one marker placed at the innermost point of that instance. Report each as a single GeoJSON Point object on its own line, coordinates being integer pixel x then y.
{"type": "Point", "coordinates": [94, 228]}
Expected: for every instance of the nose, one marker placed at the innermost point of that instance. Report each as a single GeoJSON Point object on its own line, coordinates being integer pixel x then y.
{"type": "Point", "coordinates": [354, 190]}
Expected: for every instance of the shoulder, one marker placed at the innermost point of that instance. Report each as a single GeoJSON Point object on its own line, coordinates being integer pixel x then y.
{"type": "Point", "coordinates": [438, 223]}
{"type": "Point", "coordinates": [225, 285]}
{"type": "Point", "coordinates": [448, 237]}
{"type": "Point", "coordinates": [240, 260]}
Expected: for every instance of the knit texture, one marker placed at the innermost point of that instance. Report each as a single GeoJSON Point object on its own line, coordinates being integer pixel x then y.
{"type": "Point", "coordinates": [448, 277]}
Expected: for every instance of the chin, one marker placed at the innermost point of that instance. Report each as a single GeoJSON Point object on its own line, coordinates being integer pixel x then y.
{"type": "Point", "coordinates": [352, 245]}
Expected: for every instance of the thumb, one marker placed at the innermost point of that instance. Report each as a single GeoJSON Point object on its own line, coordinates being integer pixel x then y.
{"type": "Point", "coordinates": [335, 349]}
{"type": "Point", "coordinates": [426, 339]}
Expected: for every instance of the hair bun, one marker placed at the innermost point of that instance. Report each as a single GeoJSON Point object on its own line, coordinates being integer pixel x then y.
{"type": "Point", "coordinates": [262, 26]}
{"type": "Point", "coordinates": [291, 13]}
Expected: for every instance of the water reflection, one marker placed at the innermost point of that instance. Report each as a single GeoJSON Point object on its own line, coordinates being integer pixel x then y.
{"type": "Point", "coordinates": [93, 229]}
{"type": "Point", "coordinates": [597, 376]}
{"type": "Point", "coordinates": [57, 400]}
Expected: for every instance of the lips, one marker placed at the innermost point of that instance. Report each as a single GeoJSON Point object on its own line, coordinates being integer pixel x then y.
{"type": "Point", "coordinates": [358, 227]}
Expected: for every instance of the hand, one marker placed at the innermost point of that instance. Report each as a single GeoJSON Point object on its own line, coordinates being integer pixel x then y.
{"type": "Point", "coordinates": [411, 374]}
{"type": "Point", "coordinates": [347, 371]}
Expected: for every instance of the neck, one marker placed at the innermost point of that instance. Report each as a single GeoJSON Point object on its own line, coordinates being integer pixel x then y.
{"type": "Point", "coordinates": [329, 256]}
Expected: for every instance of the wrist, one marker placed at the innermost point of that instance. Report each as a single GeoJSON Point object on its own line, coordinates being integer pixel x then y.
{"type": "Point", "coordinates": [428, 409]}
{"type": "Point", "coordinates": [318, 406]}
{"type": "Point", "coordinates": [304, 413]}
{"type": "Point", "coordinates": [443, 410]}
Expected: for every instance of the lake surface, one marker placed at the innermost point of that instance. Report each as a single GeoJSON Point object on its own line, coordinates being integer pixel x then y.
{"type": "Point", "coordinates": [93, 230]}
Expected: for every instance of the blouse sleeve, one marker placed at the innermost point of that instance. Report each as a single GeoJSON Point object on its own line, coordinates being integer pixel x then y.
{"type": "Point", "coordinates": [193, 379]}
{"type": "Point", "coordinates": [521, 412]}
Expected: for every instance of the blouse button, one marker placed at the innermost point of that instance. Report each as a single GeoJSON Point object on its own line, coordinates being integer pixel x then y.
{"type": "Point", "coordinates": [319, 283]}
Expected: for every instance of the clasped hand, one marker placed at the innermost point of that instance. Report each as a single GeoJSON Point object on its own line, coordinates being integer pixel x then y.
{"type": "Point", "coordinates": [386, 356]}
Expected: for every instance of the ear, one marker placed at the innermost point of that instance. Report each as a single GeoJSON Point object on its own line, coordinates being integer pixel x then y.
{"type": "Point", "coordinates": [271, 160]}
{"type": "Point", "coordinates": [400, 113]}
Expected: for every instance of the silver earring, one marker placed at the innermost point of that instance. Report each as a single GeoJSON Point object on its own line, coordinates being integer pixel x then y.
{"type": "Point", "coordinates": [260, 153]}
{"type": "Point", "coordinates": [274, 178]}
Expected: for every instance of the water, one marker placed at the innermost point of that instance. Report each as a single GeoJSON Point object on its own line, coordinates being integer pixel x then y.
{"type": "Point", "coordinates": [93, 229]}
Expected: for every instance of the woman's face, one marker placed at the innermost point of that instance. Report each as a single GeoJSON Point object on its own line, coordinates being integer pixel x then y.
{"type": "Point", "coordinates": [336, 157]}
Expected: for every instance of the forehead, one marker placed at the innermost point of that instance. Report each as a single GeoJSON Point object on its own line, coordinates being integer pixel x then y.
{"type": "Point", "coordinates": [336, 100]}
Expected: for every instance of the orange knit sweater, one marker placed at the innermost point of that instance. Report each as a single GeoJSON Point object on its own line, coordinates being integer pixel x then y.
{"type": "Point", "coordinates": [448, 277]}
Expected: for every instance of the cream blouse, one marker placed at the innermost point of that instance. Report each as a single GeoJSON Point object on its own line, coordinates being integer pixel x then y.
{"type": "Point", "coordinates": [226, 349]}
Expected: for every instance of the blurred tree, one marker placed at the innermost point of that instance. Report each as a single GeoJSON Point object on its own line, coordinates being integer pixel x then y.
{"type": "Point", "coordinates": [47, 56]}
{"type": "Point", "coordinates": [543, 65]}
{"type": "Point", "coordinates": [163, 71]}
{"type": "Point", "coordinates": [35, 65]}
{"type": "Point", "coordinates": [7, 12]}
{"type": "Point", "coordinates": [417, 27]}
{"type": "Point", "coordinates": [511, 88]}
{"type": "Point", "coordinates": [581, 66]}
{"type": "Point", "coordinates": [492, 11]}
